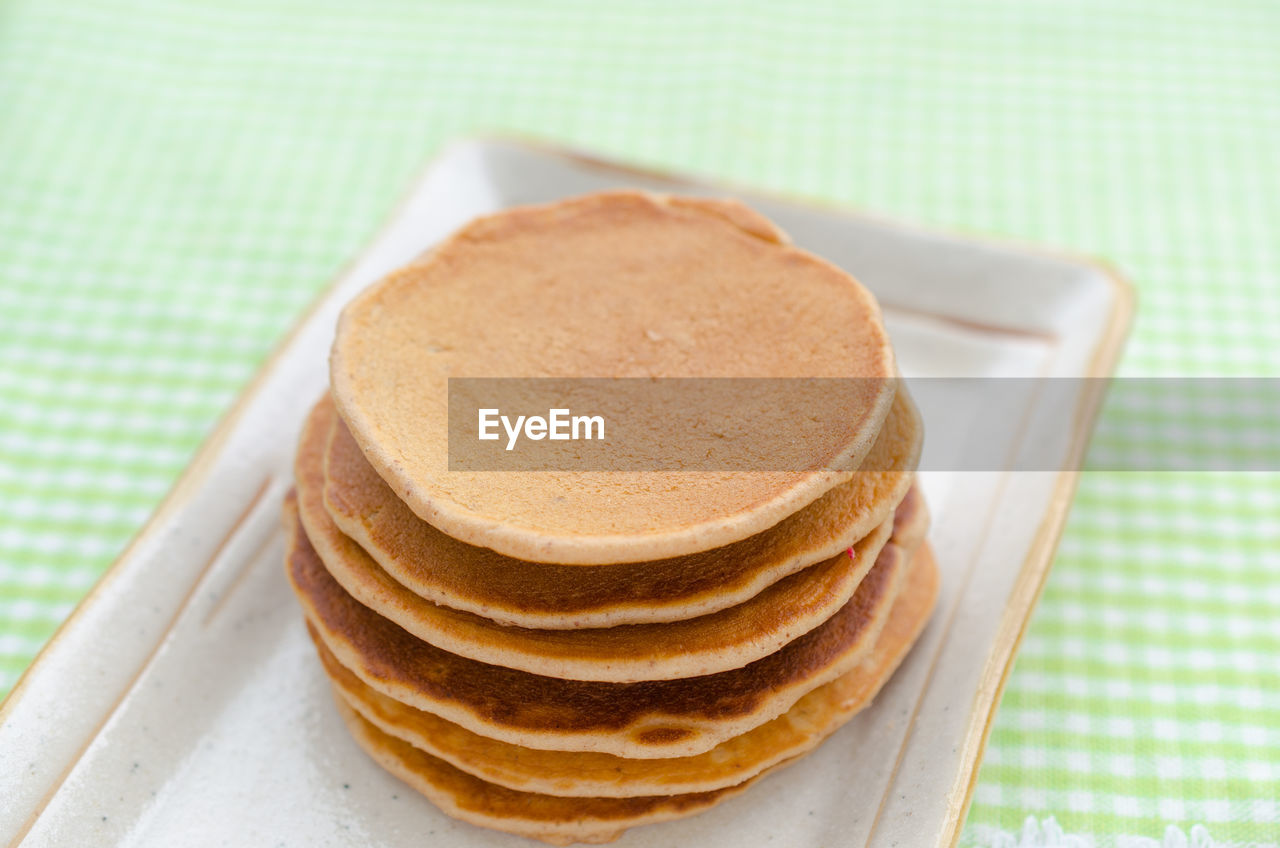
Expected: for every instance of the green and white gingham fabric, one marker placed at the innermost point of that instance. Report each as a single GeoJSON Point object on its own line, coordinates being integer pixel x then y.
{"type": "Point", "coordinates": [179, 179]}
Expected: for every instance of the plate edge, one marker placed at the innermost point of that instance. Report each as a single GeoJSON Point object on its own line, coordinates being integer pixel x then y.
{"type": "Point", "coordinates": [1031, 576]}
{"type": "Point", "coordinates": [1034, 573]}
{"type": "Point", "coordinates": [208, 452]}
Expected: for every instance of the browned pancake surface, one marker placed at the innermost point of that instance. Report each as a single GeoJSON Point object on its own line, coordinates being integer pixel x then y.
{"type": "Point", "coordinates": [704, 645]}
{"type": "Point", "coordinates": [647, 719]}
{"type": "Point", "coordinates": [798, 730]}
{"type": "Point", "coordinates": [557, 820]}
{"type": "Point", "coordinates": [621, 284]}
{"type": "Point", "coordinates": [547, 596]}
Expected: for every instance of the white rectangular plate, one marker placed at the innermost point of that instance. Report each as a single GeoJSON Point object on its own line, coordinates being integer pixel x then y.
{"type": "Point", "coordinates": [182, 704]}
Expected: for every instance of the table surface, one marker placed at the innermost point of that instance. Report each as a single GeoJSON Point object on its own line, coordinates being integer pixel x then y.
{"type": "Point", "coordinates": [178, 180]}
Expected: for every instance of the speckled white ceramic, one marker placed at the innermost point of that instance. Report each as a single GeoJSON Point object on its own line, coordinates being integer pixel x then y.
{"type": "Point", "coordinates": [182, 705]}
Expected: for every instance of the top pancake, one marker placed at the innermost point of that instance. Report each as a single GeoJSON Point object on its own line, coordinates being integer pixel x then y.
{"type": "Point", "coordinates": [621, 284]}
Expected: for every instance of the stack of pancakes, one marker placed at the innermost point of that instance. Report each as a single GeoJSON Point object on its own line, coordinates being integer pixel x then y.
{"type": "Point", "coordinates": [565, 654]}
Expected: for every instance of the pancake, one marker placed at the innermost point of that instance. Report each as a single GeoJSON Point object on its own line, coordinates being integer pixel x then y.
{"type": "Point", "coordinates": [735, 212]}
{"type": "Point", "coordinates": [546, 597]}
{"type": "Point", "coordinates": [703, 645]}
{"type": "Point", "coordinates": [621, 284]}
{"type": "Point", "coordinates": [662, 718]}
{"type": "Point", "coordinates": [589, 774]}
{"type": "Point", "coordinates": [549, 818]}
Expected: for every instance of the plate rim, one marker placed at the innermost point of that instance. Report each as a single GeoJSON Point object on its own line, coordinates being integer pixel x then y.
{"type": "Point", "coordinates": [1032, 573]}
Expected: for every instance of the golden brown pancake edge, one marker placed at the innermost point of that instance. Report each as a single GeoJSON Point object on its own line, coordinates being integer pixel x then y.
{"type": "Point", "coordinates": [548, 596]}
{"type": "Point", "coordinates": [705, 645]}
{"type": "Point", "coordinates": [649, 719]}
{"type": "Point", "coordinates": [591, 774]}
{"type": "Point", "coordinates": [548, 818]}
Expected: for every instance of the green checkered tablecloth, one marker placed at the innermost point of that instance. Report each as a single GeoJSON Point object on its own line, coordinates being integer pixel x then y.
{"type": "Point", "coordinates": [178, 180]}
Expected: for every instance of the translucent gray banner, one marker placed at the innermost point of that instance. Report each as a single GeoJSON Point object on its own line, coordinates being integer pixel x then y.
{"type": "Point", "coordinates": [790, 424]}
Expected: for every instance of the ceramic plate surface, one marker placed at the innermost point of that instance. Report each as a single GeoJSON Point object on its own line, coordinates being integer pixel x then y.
{"type": "Point", "coordinates": [182, 703]}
